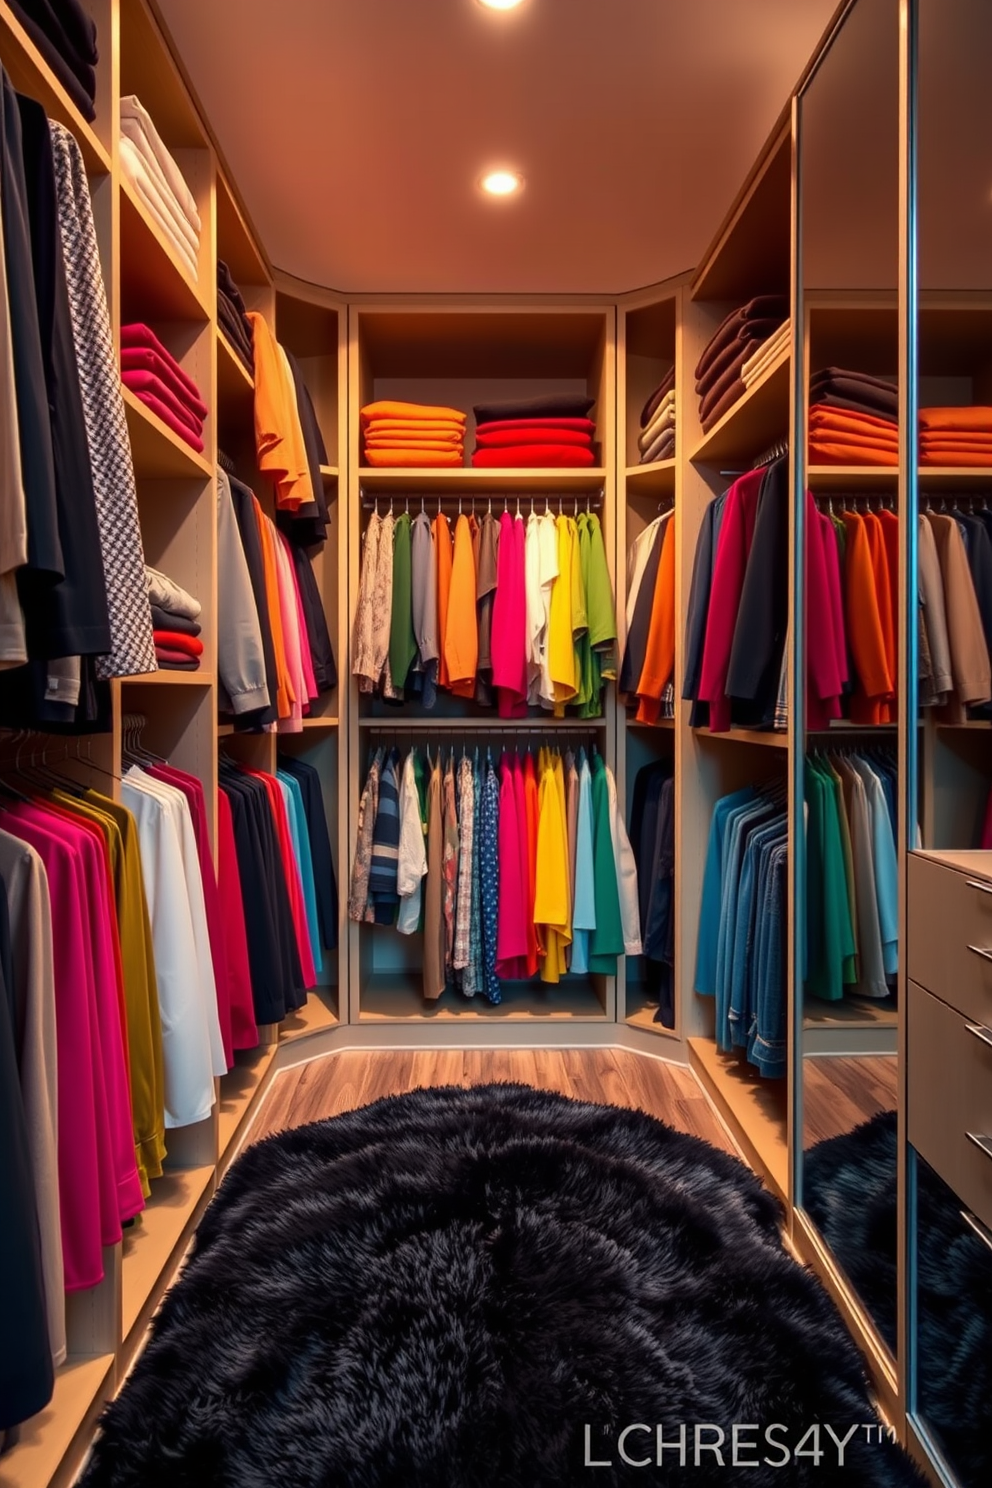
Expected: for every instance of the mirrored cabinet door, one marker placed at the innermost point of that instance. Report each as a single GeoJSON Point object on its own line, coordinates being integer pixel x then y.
{"type": "Point", "coordinates": [846, 1008]}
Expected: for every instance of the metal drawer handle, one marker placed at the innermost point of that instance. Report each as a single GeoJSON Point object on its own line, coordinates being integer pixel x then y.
{"type": "Point", "coordinates": [984, 1144]}
{"type": "Point", "coordinates": [983, 888]}
{"type": "Point", "coordinates": [979, 1031]}
{"type": "Point", "coordinates": [978, 1227]}
{"type": "Point", "coordinates": [981, 951]}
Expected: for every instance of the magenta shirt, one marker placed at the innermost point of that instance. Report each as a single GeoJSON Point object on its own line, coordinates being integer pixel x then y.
{"type": "Point", "coordinates": [509, 623]}
{"type": "Point", "coordinates": [511, 908]}
{"type": "Point", "coordinates": [736, 533]}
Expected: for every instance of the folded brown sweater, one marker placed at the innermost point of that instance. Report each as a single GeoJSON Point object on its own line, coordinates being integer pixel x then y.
{"type": "Point", "coordinates": [762, 307]}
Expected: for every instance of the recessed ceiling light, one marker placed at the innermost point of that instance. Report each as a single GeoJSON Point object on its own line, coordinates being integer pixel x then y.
{"type": "Point", "coordinates": [500, 4]}
{"type": "Point", "coordinates": [502, 182]}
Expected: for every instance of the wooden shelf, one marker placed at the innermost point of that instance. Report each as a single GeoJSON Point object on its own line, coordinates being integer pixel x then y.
{"type": "Point", "coordinates": [641, 1013]}
{"type": "Point", "coordinates": [746, 736]}
{"type": "Point", "coordinates": [234, 382]}
{"type": "Point", "coordinates": [469, 479]}
{"type": "Point", "coordinates": [330, 473]}
{"type": "Point", "coordinates": [30, 74]}
{"type": "Point", "coordinates": [539, 724]}
{"type": "Point", "coordinates": [158, 453]}
{"type": "Point", "coordinates": [662, 723]}
{"type": "Point", "coordinates": [656, 479]}
{"type": "Point", "coordinates": [852, 477]}
{"type": "Point", "coordinates": [314, 1017]}
{"type": "Point", "coordinates": [937, 477]}
{"type": "Point", "coordinates": [240, 1091]}
{"type": "Point", "coordinates": [756, 420]}
{"type": "Point", "coordinates": [754, 1108]}
{"type": "Point", "coordinates": [82, 1385]}
{"type": "Point", "coordinates": [166, 678]}
{"type": "Point", "coordinates": [319, 722]}
{"type": "Point", "coordinates": [849, 1012]}
{"type": "Point", "coordinates": [969, 723]}
{"type": "Point", "coordinates": [397, 997]}
{"type": "Point", "coordinates": [154, 1242]}
{"type": "Point", "coordinates": [153, 276]}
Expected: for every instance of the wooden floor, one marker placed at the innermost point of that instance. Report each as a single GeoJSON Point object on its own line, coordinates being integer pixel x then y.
{"type": "Point", "coordinates": [842, 1091]}
{"type": "Point", "coordinates": [341, 1082]}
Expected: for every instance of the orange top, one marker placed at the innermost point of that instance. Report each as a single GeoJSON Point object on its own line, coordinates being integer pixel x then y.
{"type": "Point", "coordinates": [429, 428]}
{"type": "Point", "coordinates": [824, 418]}
{"type": "Point", "coordinates": [890, 537]}
{"type": "Point", "coordinates": [285, 695]}
{"type": "Point", "coordinates": [279, 443]}
{"type": "Point", "coordinates": [659, 654]}
{"type": "Point", "coordinates": [387, 408]}
{"type": "Point", "coordinates": [461, 633]}
{"type": "Point", "coordinates": [442, 547]}
{"type": "Point", "coordinates": [956, 418]}
{"type": "Point", "coordinates": [865, 634]}
{"type": "Point", "coordinates": [408, 454]}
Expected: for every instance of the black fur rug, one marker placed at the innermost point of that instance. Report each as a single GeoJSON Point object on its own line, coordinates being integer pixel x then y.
{"type": "Point", "coordinates": [471, 1288]}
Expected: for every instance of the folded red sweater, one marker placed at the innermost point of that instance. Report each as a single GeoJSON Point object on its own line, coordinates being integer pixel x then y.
{"type": "Point", "coordinates": [177, 640]}
{"type": "Point", "coordinates": [168, 417]}
{"type": "Point", "coordinates": [497, 426]}
{"type": "Point", "coordinates": [147, 359]}
{"type": "Point", "coordinates": [508, 438]}
{"type": "Point", "coordinates": [533, 455]}
{"type": "Point", "coordinates": [140, 335]}
{"type": "Point", "coordinates": [147, 382]}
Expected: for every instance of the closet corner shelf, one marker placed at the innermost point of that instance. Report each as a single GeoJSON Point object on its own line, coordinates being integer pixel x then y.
{"type": "Point", "coordinates": [862, 478]}
{"type": "Point", "coordinates": [315, 1016]}
{"type": "Point", "coordinates": [241, 1089]}
{"type": "Point", "coordinates": [30, 73]}
{"type": "Point", "coordinates": [660, 723]}
{"type": "Point", "coordinates": [756, 420]}
{"type": "Point", "coordinates": [469, 480]}
{"type": "Point", "coordinates": [746, 736]}
{"type": "Point", "coordinates": [441, 725]}
{"type": "Point", "coordinates": [166, 678]}
{"type": "Point", "coordinates": [152, 275]}
{"type": "Point", "coordinates": [158, 453]}
{"type": "Point", "coordinates": [153, 1244]}
{"type": "Point", "coordinates": [397, 997]}
{"type": "Point", "coordinates": [754, 1109]}
{"type": "Point", "coordinates": [944, 477]}
{"type": "Point", "coordinates": [330, 473]}
{"type": "Point", "coordinates": [643, 1018]}
{"type": "Point", "coordinates": [320, 722]}
{"type": "Point", "coordinates": [234, 381]}
{"type": "Point", "coordinates": [656, 479]}
{"type": "Point", "coordinates": [82, 1384]}
{"type": "Point", "coordinates": [849, 1013]}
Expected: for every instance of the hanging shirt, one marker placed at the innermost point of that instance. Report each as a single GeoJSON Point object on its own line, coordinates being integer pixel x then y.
{"type": "Point", "coordinates": [412, 863]}
{"type": "Point", "coordinates": [461, 636]}
{"type": "Point", "coordinates": [402, 641]}
{"type": "Point", "coordinates": [509, 627]}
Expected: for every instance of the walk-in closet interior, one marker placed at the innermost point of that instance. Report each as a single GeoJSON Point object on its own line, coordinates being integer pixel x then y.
{"type": "Point", "coordinates": [775, 504]}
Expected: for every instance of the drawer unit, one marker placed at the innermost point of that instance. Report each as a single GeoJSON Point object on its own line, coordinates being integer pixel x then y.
{"type": "Point", "coordinates": [950, 1097]}
{"type": "Point", "coordinates": [949, 931]}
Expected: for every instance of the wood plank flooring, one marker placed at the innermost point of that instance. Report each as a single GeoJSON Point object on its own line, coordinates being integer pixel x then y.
{"type": "Point", "coordinates": [345, 1081]}
{"type": "Point", "coordinates": [842, 1091]}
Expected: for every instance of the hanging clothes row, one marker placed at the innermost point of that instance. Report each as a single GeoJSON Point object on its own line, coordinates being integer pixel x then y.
{"type": "Point", "coordinates": [649, 652]}
{"type": "Point", "coordinates": [274, 652]}
{"type": "Point", "coordinates": [741, 946]}
{"type": "Point", "coordinates": [652, 839]}
{"type": "Point", "coordinates": [955, 613]}
{"type": "Point", "coordinates": [73, 607]}
{"type": "Point", "coordinates": [289, 446]}
{"type": "Point", "coordinates": [852, 921]}
{"type": "Point", "coordinates": [512, 610]}
{"type": "Point", "coordinates": [509, 869]}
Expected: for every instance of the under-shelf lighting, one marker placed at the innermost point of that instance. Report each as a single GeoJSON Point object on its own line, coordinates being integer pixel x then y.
{"type": "Point", "coordinates": [500, 4]}
{"type": "Point", "coordinates": [502, 182]}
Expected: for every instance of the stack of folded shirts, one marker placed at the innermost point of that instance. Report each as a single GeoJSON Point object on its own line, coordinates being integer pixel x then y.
{"type": "Point", "coordinates": [768, 352]}
{"type": "Point", "coordinates": [153, 375]}
{"type": "Point", "coordinates": [956, 436]}
{"type": "Point", "coordinates": [159, 183]}
{"type": "Point", "coordinates": [403, 434]}
{"type": "Point", "coordinates": [656, 440]}
{"type": "Point", "coordinates": [852, 419]}
{"type": "Point", "coordinates": [233, 315]}
{"type": "Point", "coordinates": [65, 35]}
{"type": "Point", "coordinates": [718, 372]}
{"type": "Point", "coordinates": [552, 429]}
{"type": "Point", "coordinates": [175, 623]}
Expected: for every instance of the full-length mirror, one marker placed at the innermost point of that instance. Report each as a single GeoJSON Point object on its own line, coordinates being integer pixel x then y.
{"type": "Point", "coordinates": [846, 1009]}
{"type": "Point", "coordinates": [949, 920]}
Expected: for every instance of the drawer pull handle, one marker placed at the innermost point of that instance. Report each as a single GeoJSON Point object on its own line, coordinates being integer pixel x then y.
{"type": "Point", "coordinates": [981, 951]}
{"type": "Point", "coordinates": [984, 1144]}
{"type": "Point", "coordinates": [978, 1227]}
{"type": "Point", "coordinates": [979, 1031]}
{"type": "Point", "coordinates": [983, 888]}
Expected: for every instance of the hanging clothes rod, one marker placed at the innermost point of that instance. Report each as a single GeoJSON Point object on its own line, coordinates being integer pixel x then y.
{"type": "Point", "coordinates": [436, 500]}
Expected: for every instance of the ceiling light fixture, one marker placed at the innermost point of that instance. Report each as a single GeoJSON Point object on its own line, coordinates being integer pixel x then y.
{"type": "Point", "coordinates": [500, 4]}
{"type": "Point", "coordinates": [502, 182]}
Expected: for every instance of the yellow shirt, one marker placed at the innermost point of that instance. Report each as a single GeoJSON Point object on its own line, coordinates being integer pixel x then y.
{"type": "Point", "coordinates": [561, 645]}
{"type": "Point", "coordinates": [552, 909]}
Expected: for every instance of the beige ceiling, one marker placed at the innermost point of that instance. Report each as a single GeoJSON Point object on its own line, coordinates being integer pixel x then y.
{"type": "Point", "coordinates": [356, 130]}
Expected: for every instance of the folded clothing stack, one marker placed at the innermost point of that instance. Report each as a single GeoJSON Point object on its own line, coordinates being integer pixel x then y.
{"type": "Point", "coordinates": [403, 434]}
{"type": "Point", "coordinates": [852, 419]}
{"type": "Point", "coordinates": [233, 315]}
{"type": "Point", "coordinates": [736, 339]}
{"type": "Point", "coordinates": [768, 352]}
{"type": "Point", "coordinates": [153, 375]}
{"type": "Point", "coordinates": [552, 429]}
{"type": "Point", "coordinates": [656, 440]}
{"type": "Point", "coordinates": [175, 622]}
{"type": "Point", "coordinates": [159, 183]}
{"type": "Point", "coordinates": [66, 37]}
{"type": "Point", "coordinates": [956, 436]}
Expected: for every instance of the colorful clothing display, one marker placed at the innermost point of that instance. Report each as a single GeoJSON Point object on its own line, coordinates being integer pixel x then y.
{"type": "Point", "coordinates": [545, 431]}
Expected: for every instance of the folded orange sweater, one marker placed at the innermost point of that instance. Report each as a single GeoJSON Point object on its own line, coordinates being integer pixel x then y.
{"type": "Point", "coordinates": [403, 436]}
{"type": "Point", "coordinates": [956, 457]}
{"type": "Point", "coordinates": [842, 421]}
{"type": "Point", "coordinates": [826, 453]}
{"type": "Point", "coordinates": [956, 418]}
{"type": "Point", "coordinates": [388, 408]}
{"type": "Point", "coordinates": [415, 426]}
{"type": "Point", "coordinates": [966, 439]}
{"type": "Point", "coordinates": [424, 448]}
{"type": "Point", "coordinates": [402, 456]}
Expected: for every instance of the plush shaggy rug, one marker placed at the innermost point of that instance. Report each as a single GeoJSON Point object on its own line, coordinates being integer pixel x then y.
{"type": "Point", "coordinates": [477, 1288]}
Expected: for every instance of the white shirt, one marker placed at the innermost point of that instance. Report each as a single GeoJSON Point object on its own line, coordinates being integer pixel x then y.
{"type": "Point", "coordinates": [623, 856]}
{"type": "Point", "coordinates": [412, 863]}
